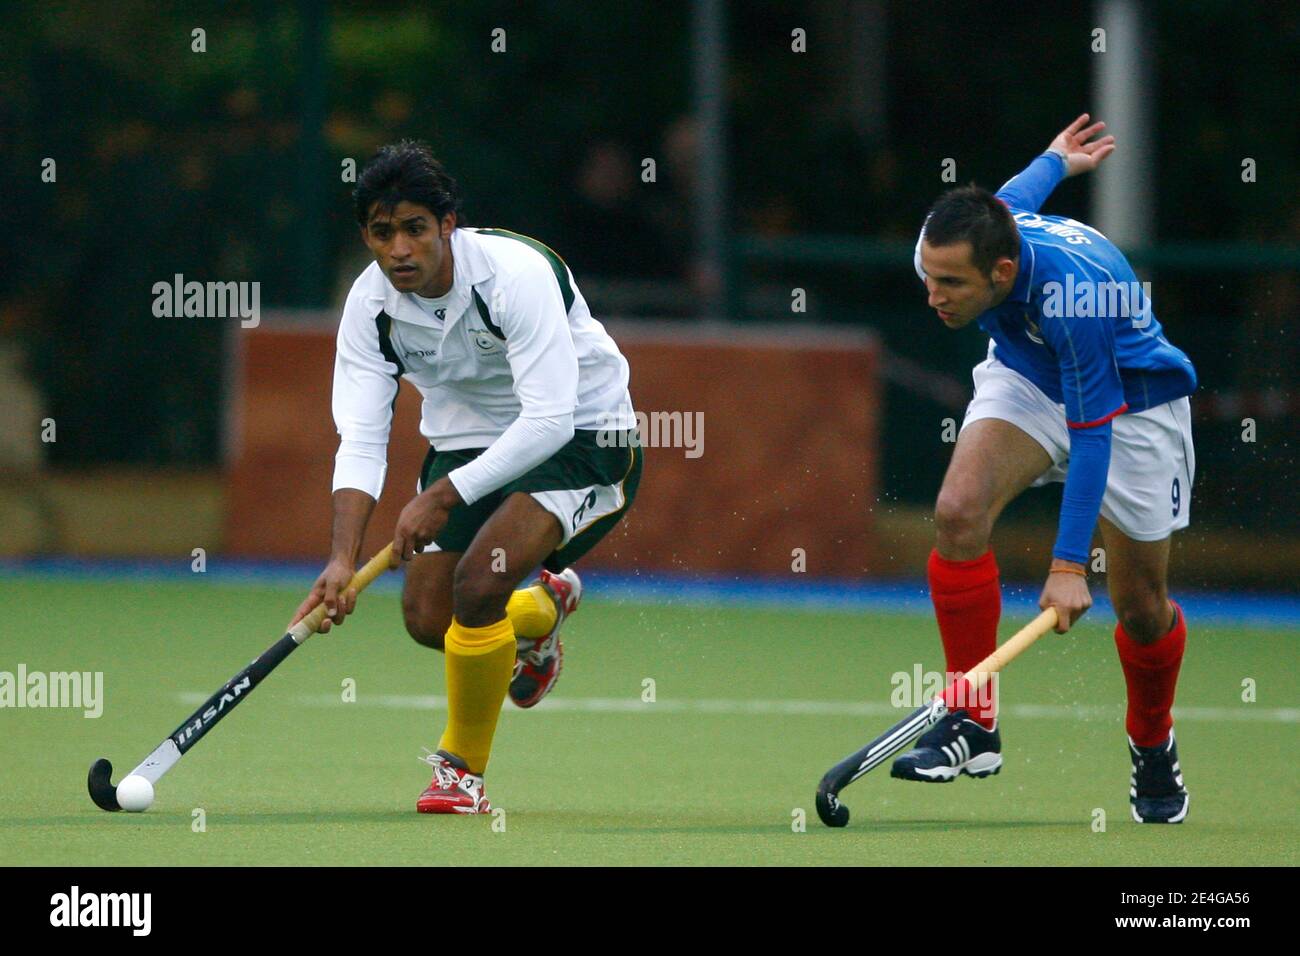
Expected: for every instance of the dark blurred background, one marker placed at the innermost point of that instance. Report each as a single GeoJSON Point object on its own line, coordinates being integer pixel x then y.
{"type": "Point", "coordinates": [775, 170]}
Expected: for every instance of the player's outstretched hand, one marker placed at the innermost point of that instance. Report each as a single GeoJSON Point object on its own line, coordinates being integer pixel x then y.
{"type": "Point", "coordinates": [332, 588]}
{"type": "Point", "coordinates": [1067, 591]}
{"type": "Point", "coordinates": [1080, 155]}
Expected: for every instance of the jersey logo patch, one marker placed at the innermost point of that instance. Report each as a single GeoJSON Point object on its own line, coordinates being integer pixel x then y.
{"type": "Point", "coordinates": [484, 341]}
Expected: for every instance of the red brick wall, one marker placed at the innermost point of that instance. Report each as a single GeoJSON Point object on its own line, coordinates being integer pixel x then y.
{"type": "Point", "coordinates": [790, 434]}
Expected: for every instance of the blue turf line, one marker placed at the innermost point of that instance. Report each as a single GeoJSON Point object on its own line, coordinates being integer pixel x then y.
{"type": "Point", "coordinates": [793, 591]}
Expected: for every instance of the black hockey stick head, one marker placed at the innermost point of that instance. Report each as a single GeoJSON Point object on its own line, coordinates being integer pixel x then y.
{"type": "Point", "coordinates": [100, 784]}
{"type": "Point", "coordinates": [832, 812]}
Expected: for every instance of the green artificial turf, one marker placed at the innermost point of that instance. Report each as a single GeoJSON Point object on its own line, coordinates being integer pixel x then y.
{"type": "Point", "coordinates": [596, 776]}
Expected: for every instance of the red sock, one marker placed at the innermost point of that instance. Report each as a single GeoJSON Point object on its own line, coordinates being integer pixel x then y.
{"type": "Point", "coordinates": [967, 603]}
{"type": "Point", "coordinates": [1151, 671]}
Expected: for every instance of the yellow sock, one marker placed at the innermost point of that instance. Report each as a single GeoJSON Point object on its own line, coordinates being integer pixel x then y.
{"type": "Point", "coordinates": [480, 662]}
{"type": "Point", "coordinates": [531, 611]}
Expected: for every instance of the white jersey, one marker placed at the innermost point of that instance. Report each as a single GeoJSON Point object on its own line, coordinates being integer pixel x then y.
{"type": "Point", "coordinates": [517, 344]}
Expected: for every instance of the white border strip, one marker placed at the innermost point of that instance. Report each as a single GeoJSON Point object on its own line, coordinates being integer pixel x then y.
{"type": "Point", "coordinates": [787, 708]}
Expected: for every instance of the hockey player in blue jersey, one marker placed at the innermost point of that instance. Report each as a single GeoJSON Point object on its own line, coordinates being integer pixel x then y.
{"type": "Point", "coordinates": [1081, 386]}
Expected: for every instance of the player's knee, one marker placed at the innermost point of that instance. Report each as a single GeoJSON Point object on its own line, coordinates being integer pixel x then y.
{"type": "Point", "coordinates": [1144, 615]}
{"type": "Point", "coordinates": [961, 524]}
{"type": "Point", "coordinates": [479, 596]}
{"type": "Point", "coordinates": [425, 623]}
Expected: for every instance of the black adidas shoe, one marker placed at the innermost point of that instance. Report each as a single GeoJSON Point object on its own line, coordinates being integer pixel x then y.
{"type": "Point", "coordinates": [955, 745]}
{"type": "Point", "coordinates": [1156, 792]}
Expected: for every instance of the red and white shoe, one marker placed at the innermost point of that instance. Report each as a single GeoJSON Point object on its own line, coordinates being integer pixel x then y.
{"type": "Point", "coordinates": [453, 788]}
{"type": "Point", "coordinates": [537, 667]}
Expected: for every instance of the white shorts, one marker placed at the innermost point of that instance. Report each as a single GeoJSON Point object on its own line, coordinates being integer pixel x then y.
{"type": "Point", "coordinates": [574, 510]}
{"type": "Point", "coordinates": [1148, 488]}
{"type": "Point", "coordinates": [582, 512]}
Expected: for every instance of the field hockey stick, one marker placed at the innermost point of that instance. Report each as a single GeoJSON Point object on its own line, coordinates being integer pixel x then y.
{"type": "Point", "coordinates": [191, 731]}
{"type": "Point", "coordinates": [835, 814]}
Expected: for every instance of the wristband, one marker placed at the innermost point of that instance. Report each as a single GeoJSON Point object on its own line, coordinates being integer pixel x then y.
{"type": "Point", "coordinates": [1068, 571]}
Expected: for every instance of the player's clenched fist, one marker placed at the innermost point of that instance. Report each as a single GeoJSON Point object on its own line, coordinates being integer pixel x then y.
{"type": "Point", "coordinates": [332, 589]}
{"type": "Point", "coordinates": [1067, 591]}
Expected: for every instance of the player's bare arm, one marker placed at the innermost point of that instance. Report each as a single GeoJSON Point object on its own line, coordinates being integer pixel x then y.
{"type": "Point", "coordinates": [352, 510]}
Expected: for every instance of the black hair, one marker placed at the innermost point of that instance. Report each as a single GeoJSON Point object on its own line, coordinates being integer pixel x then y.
{"type": "Point", "coordinates": [974, 215]}
{"type": "Point", "coordinates": [405, 171]}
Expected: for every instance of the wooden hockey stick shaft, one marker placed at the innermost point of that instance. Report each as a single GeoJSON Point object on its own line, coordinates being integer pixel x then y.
{"type": "Point", "coordinates": [210, 712]}
{"type": "Point", "coordinates": [832, 812]}
{"type": "Point", "coordinates": [381, 562]}
{"type": "Point", "coordinates": [1009, 650]}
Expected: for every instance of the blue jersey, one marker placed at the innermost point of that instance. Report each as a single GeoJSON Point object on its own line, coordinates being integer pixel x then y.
{"type": "Point", "coordinates": [1078, 323]}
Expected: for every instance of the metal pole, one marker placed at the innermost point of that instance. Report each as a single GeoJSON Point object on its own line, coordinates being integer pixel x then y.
{"type": "Point", "coordinates": [312, 169]}
{"type": "Point", "coordinates": [711, 239]}
{"type": "Point", "coordinates": [1124, 197]}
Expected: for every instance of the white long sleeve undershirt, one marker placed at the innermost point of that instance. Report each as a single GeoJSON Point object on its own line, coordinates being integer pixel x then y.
{"type": "Point", "coordinates": [362, 465]}
{"type": "Point", "coordinates": [523, 446]}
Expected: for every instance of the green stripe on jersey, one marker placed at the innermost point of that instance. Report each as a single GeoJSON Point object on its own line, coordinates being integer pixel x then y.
{"type": "Point", "coordinates": [486, 316]}
{"type": "Point", "coordinates": [384, 325]}
{"type": "Point", "coordinates": [557, 264]}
